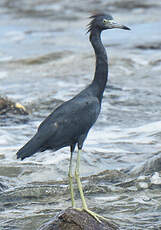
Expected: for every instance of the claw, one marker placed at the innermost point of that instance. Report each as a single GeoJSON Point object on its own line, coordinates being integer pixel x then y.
{"type": "Point", "coordinates": [95, 215]}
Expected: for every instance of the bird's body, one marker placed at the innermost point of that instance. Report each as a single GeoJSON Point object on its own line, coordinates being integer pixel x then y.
{"type": "Point", "coordinates": [64, 127]}
{"type": "Point", "coordinates": [70, 123]}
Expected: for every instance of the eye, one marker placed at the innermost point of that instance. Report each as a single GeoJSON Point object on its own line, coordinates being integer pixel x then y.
{"type": "Point", "coordinates": [105, 21]}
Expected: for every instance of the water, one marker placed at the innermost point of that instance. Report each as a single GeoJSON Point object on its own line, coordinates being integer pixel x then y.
{"type": "Point", "coordinates": [45, 59]}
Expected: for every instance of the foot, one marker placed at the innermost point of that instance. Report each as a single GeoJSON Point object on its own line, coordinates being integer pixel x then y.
{"type": "Point", "coordinates": [95, 215]}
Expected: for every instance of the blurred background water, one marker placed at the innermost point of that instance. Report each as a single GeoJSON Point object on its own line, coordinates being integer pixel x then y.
{"type": "Point", "coordinates": [45, 59]}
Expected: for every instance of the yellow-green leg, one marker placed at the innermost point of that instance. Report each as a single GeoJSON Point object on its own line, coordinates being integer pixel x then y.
{"type": "Point", "coordinates": [71, 181]}
{"type": "Point", "coordinates": [79, 182]}
{"type": "Point", "coordinates": [96, 216]}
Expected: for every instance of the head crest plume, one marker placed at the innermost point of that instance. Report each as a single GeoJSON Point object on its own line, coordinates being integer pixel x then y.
{"type": "Point", "coordinates": [91, 24]}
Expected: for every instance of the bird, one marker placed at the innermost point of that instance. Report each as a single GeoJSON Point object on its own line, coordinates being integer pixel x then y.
{"type": "Point", "coordinates": [69, 124]}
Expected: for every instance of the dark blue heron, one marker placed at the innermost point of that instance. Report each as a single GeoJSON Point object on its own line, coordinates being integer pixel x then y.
{"type": "Point", "coordinates": [69, 124]}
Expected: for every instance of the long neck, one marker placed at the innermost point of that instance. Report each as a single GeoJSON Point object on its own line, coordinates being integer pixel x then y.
{"type": "Point", "coordinates": [101, 71]}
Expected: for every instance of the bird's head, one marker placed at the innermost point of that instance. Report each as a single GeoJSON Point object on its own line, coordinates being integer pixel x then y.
{"type": "Point", "coordinates": [104, 22]}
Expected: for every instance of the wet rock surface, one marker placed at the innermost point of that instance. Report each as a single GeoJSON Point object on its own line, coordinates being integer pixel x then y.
{"type": "Point", "coordinates": [72, 219]}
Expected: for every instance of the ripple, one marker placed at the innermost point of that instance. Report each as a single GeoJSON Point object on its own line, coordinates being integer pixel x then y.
{"type": "Point", "coordinates": [46, 59]}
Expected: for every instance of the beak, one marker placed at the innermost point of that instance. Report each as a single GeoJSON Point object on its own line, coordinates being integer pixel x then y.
{"type": "Point", "coordinates": [114, 24]}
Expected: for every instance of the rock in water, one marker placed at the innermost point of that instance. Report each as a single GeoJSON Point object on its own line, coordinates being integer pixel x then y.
{"type": "Point", "coordinates": [8, 106]}
{"type": "Point", "coordinates": [72, 219]}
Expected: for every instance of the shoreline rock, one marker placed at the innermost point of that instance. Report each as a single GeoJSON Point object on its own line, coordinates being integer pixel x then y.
{"type": "Point", "coordinates": [72, 219]}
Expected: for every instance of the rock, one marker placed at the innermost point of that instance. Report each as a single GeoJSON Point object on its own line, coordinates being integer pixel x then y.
{"type": "Point", "coordinates": [72, 219]}
{"type": "Point", "coordinates": [8, 106]}
{"type": "Point", "coordinates": [3, 185]}
{"type": "Point", "coordinates": [150, 166]}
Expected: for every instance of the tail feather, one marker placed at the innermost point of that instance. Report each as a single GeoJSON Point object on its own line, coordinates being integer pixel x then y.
{"type": "Point", "coordinates": [31, 147]}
